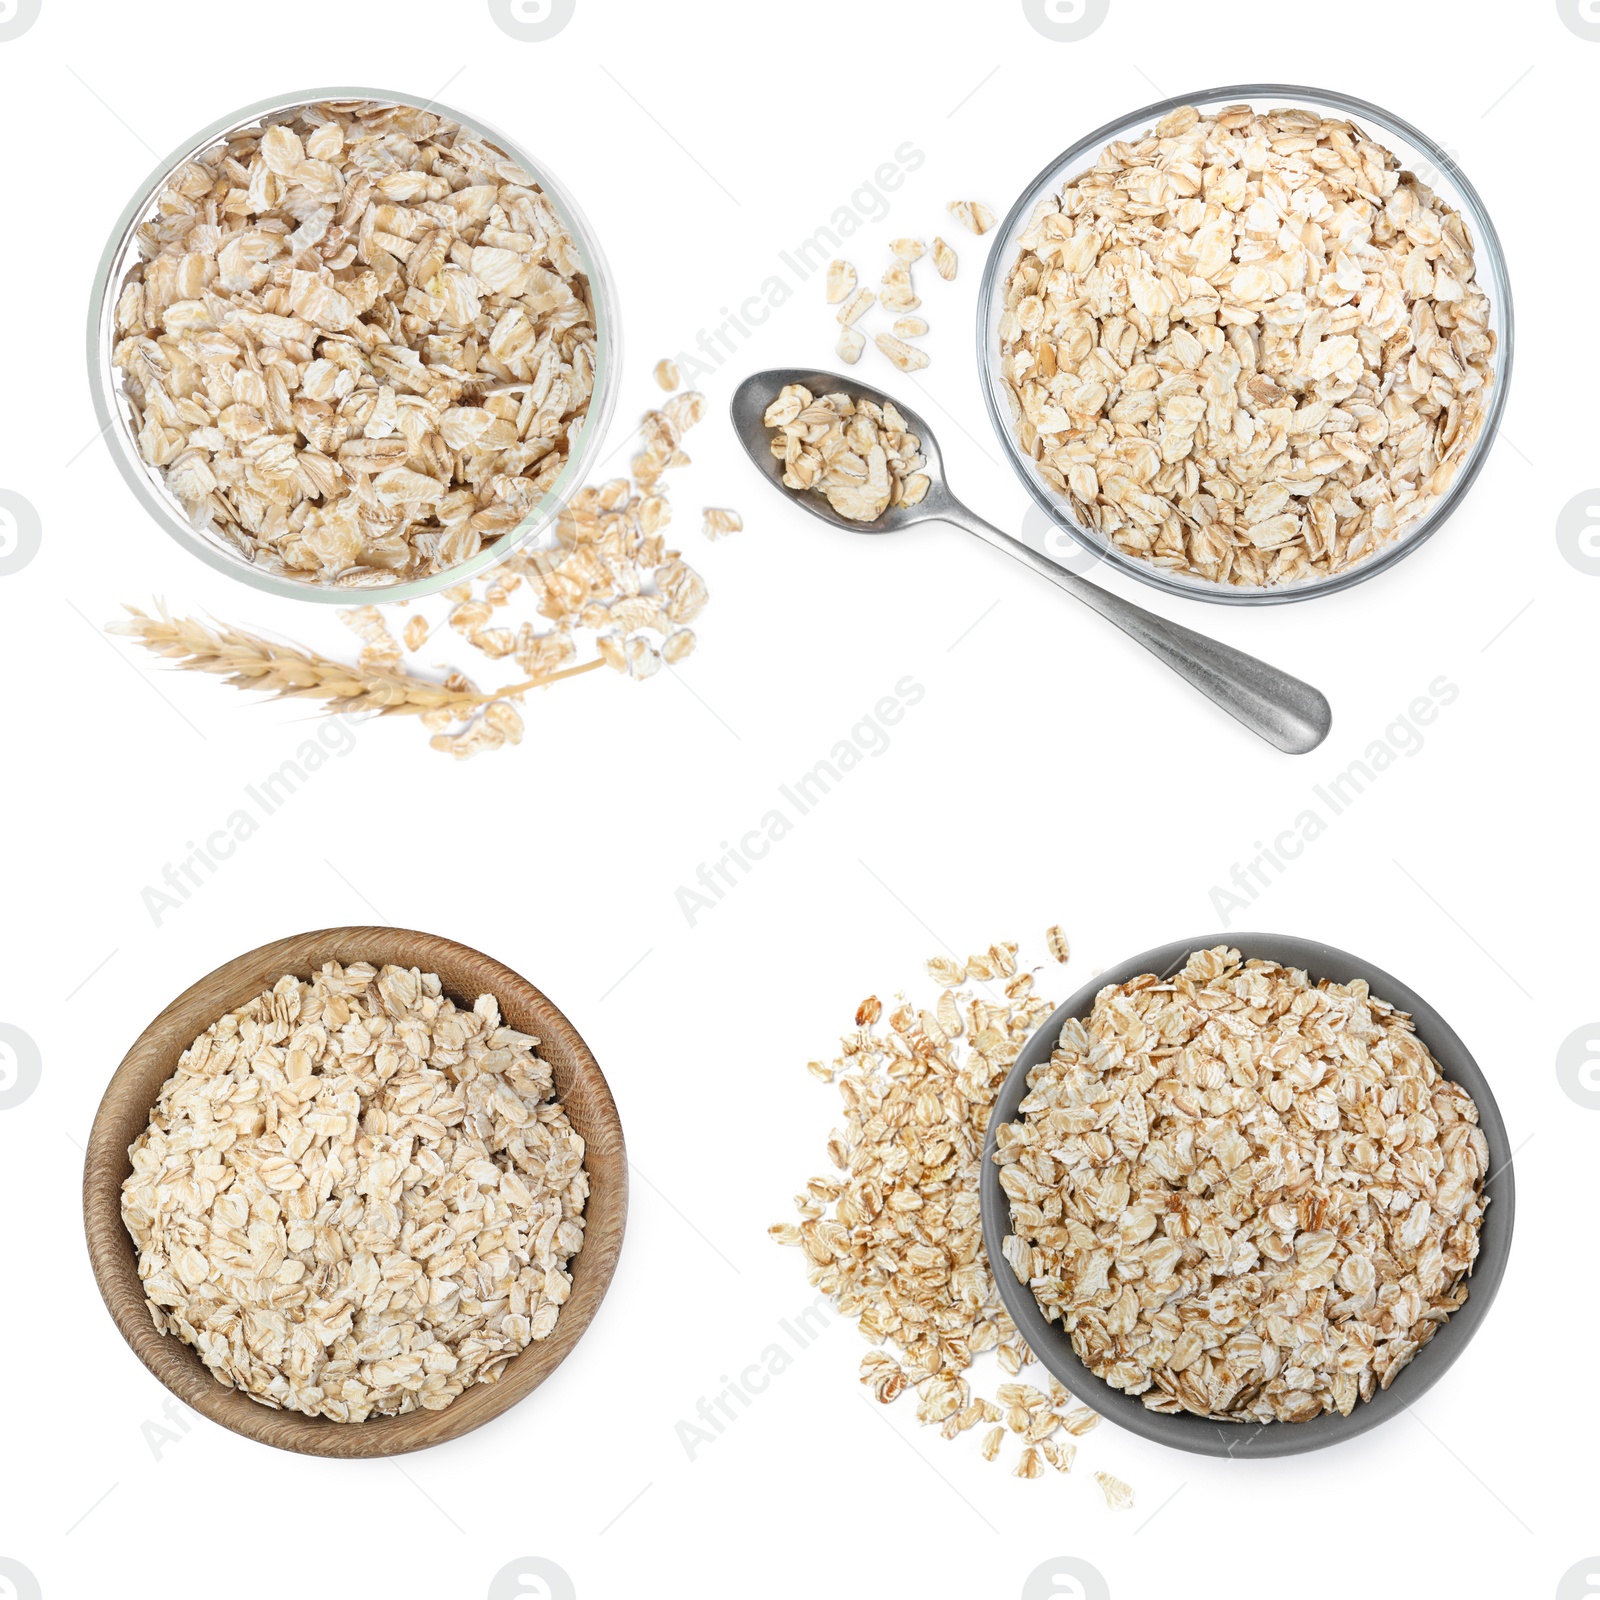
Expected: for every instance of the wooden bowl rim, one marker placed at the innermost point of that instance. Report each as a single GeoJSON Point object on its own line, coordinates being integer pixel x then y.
{"type": "Point", "coordinates": [580, 1084]}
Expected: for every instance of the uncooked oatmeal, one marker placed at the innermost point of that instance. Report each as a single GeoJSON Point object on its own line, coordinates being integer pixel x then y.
{"type": "Point", "coordinates": [611, 581]}
{"type": "Point", "coordinates": [1242, 1194]}
{"type": "Point", "coordinates": [893, 1236]}
{"type": "Point", "coordinates": [1248, 346]}
{"type": "Point", "coordinates": [856, 454]}
{"type": "Point", "coordinates": [359, 345]}
{"type": "Point", "coordinates": [354, 1198]}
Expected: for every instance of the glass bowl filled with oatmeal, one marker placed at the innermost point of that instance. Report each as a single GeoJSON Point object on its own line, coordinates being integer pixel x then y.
{"type": "Point", "coordinates": [346, 341]}
{"type": "Point", "coordinates": [1249, 344]}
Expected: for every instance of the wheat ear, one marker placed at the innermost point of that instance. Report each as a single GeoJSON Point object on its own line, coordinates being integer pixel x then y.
{"type": "Point", "coordinates": [249, 661]}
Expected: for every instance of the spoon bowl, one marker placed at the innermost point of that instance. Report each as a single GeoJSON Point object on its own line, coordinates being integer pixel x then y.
{"type": "Point", "coordinates": [1289, 714]}
{"type": "Point", "coordinates": [760, 389]}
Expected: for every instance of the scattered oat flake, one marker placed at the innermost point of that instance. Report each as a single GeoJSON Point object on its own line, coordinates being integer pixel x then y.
{"type": "Point", "coordinates": [852, 341]}
{"type": "Point", "coordinates": [1028, 1464]}
{"type": "Point", "coordinates": [892, 1235]}
{"type": "Point", "coordinates": [944, 260]}
{"type": "Point", "coordinates": [683, 411]}
{"type": "Point", "coordinates": [906, 357]}
{"type": "Point", "coordinates": [907, 249]}
{"type": "Point", "coordinates": [666, 374]}
{"type": "Point", "coordinates": [852, 309]}
{"type": "Point", "coordinates": [883, 1375]}
{"type": "Point", "coordinates": [380, 652]}
{"type": "Point", "coordinates": [1055, 941]}
{"type": "Point", "coordinates": [973, 215]}
{"type": "Point", "coordinates": [717, 523]}
{"type": "Point", "coordinates": [910, 328]}
{"type": "Point", "coordinates": [1118, 1495]}
{"type": "Point", "coordinates": [841, 281]}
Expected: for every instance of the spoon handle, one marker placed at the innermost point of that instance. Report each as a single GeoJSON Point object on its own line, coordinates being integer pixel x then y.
{"type": "Point", "coordinates": [1287, 713]}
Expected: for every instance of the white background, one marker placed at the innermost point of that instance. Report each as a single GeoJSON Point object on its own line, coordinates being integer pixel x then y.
{"type": "Point", "coordinates": [1051, 772]}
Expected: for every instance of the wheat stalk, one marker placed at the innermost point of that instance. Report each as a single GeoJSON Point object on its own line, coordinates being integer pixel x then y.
{"type": "Point", "coordinates": [249, 661]}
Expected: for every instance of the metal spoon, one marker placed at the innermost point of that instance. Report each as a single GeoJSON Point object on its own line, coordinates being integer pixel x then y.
{"type": "Point", "coordinates": [1283, 710]}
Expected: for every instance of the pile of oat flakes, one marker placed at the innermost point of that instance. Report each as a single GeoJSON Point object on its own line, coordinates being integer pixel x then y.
{"type": "Point", "coordinates": [359, 344]}
{"type": "Point", "coordinates": [894, 1238]}
{"type": "Point", "coordinates": [1244, 1195]}
{"type": "Point", "coordinates": [355, 1199]}
{"type": "Point", "coordinates": [856, 454]}
{"type": "Point", "coordinates": [1247, 346]}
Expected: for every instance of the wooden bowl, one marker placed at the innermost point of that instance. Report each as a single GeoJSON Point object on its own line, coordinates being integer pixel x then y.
{"type": "Point", "coordinates": [125, 1113]}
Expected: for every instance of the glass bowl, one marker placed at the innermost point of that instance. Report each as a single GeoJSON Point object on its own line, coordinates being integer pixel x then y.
{"type": "Point", "coordinates": [147, 483]}
{"type": "Point", "coordinates": [1418, 153]}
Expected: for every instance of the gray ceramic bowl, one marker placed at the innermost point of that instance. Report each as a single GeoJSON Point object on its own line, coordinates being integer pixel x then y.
{"type": "Point", "coordinates": [1185, 1432]}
